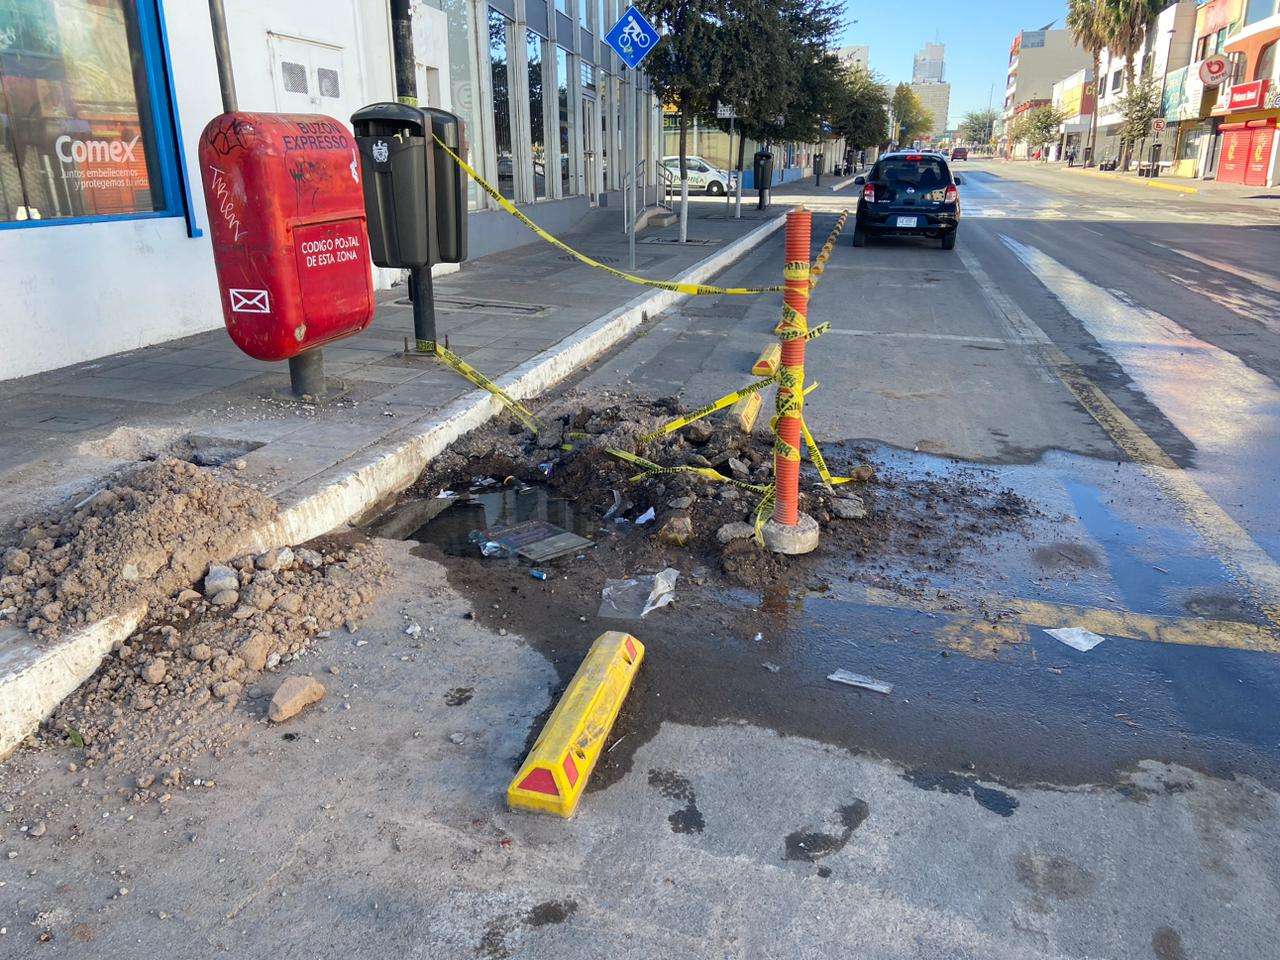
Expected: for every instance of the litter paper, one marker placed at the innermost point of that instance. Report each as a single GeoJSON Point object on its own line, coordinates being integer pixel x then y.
{"type": "Point", "coordinates": [1077, 638]}
{"type": "Point", "coordinates": [858, 680]}
{"type": "Point", "coordinates": [632, 599]}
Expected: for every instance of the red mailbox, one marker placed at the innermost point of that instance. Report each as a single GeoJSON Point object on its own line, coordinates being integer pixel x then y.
{"type": "Point", "coordinates": [286, 211]}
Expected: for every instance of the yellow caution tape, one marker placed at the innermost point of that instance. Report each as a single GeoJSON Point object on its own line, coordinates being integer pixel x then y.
{"type": "Point", "coordinates": [728, 400]}
{"type": "Point", "coordinates": [692, 289]}
{"type": "Point", "coordinates": [521, 412]}
{"type": "Point", "coordinates": [763, 509]}
{"type": "Point", "coordinates": [707, 473]}
{"type": "Point", "coordinates": [817, 331]}
{"type": "Point", "coordinates": [818, 461]}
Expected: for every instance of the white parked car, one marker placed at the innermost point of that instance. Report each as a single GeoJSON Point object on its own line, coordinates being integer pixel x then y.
{"type": "Point", "coordinates": [702, 175]}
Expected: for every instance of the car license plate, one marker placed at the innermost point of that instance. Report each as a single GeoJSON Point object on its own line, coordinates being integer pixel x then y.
{"type": "Point", "coordinates": [908, 221]}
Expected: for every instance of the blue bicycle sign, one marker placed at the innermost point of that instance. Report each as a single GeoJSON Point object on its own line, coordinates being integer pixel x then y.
{"type": "Point", "coordinates": [632, 37]}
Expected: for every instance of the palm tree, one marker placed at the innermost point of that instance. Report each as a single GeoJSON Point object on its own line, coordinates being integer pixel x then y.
{"type": "Point", "coordinates": [1128, 22]}
{"type": "Point", "coordinates": [1087, 21]}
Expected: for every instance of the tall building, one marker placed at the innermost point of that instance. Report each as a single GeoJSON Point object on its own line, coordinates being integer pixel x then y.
{"type": "Point", "coordinates": [936, 98]}
{"type": "Point", "coordinates": [1037, 60]}
{"type": "Point", "coordinates": [856, 56]}
{"type": "Point", "coordinates": [929, 64]}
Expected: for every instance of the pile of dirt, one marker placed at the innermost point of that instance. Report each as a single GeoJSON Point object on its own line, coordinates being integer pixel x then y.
{"type": "Point", "coordinates": [137, 540]}
{"type": "Point", "coordinates": [169, 692]}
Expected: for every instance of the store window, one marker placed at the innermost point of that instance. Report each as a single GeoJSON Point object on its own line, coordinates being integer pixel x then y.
{"type": "Point", "coordinates": [537, 113]}
{"type": "Point", "coordinates": [77, 131]}
{"type": "Point", "coordinates": [562, 97]}
{"type": "Point", "coordinates": [500, 70]}
{"type": "Point", "coordinates": [562, 6]}
{"type": "Point", "coordinates": [463, 79]}
{"type": "Point", "coordinates": [1266, 67]}
{"type": "Point", "coordinates": [584, 18]}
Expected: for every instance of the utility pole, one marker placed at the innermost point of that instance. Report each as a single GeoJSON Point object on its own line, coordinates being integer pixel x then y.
{"type": "Point", "coordinates": [306, 370]}
{"type": "Point", "coordinates": [421, 291]}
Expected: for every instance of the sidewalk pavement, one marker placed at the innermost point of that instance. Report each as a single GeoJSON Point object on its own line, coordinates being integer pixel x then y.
{"type": "Point", "coordinates": [1211, 191]}
{"type": "Point", "coordinates": [527, 318]}
{"type": "Point", "coordinates": [496, 313]}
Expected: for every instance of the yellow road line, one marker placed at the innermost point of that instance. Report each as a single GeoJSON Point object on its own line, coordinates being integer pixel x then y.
{"type": "Point", "coordinates": [1248, 563]}
{"type": "Point", "coordinates": [1010, 618]}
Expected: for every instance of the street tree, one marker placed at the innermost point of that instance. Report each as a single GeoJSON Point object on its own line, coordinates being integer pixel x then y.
{"type": "Point", "coordinates": [862, 116]}
{"type": "Point", "coordinates": [1139, 107]}
{"type": "Point", "coordinates": [684, 68]}
{"type": "Point", "coordinates": [909, 115]}
{"type": "Point", "coordinates": [1043, 126]}
{"type": "Point", "coordinates": [1088, 22]}
{"type": "Point", "coordinates": [978, 126]}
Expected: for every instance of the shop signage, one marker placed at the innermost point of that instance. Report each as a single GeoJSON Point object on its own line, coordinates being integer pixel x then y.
{"type": "Point", "coordinates": [1249, 96]}
{"type": "Point", "coordinates": [1215, 70]}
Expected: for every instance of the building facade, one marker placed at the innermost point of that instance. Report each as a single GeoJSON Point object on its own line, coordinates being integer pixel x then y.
{"type": "Point", "coordinates": [936, 98]}
{"type": "Point", "coordinates": [1037, 60]}
{"type": "Point", "coordinates": [1074, 98]}
{"type": "Point", "coordinates": [1166, 51]}
{"type": "Point", "coordinates": [856, 56]}
{"type": "Point", "coordinates": [929, 65]}
{"type": "Point", "coordinates": [103, 230]}
{"type": "Point", "coordinates": [1247, 109]}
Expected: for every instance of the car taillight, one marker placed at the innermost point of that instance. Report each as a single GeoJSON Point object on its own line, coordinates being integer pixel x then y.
{"type": "Point", "coordinates": [869, 193]}
{"type": "Point", "coordinates": [953, 195]}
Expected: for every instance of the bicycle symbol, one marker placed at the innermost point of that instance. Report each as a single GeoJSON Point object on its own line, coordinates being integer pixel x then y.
{"type": "Point", "coordinates": [633, 33]}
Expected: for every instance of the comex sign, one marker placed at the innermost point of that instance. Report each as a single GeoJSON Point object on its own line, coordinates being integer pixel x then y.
{"type": "Point", "coordinates": [69, 149]}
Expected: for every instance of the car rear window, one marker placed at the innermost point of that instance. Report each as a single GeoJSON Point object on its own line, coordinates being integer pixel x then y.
{"type": "Point", "coordinates": [927, 173]}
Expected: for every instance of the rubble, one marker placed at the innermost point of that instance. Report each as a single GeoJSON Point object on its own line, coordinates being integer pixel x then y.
{"type": "Point", "coordinates": [171, 691]}
{"type": "Point", "coordinates": [152, 532]}
{"type": "Point", "coordinates": [676, 531]}
{"type": "Point", "coordinates": [294, 695]}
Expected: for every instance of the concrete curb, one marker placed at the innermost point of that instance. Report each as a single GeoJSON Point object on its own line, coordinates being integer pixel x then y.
{"type": "Point", "coordinates": [835, 188]}
{"type": "Point", "coordinates": [35, 677]}
{"type": "Point", "coordinates": [1117, 178]}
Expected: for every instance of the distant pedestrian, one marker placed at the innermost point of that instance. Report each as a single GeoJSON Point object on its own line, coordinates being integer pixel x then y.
{"type": "Point", "coordinates": [1071, 157]}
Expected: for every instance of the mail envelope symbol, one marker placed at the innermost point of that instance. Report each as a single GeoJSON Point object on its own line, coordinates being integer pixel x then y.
{"type": "Point", "coordinates": [250, 301]}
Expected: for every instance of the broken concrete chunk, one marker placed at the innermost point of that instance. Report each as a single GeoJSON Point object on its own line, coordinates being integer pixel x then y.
{"type": "Point", "coordinates": [275, 560]}
{"type": "Point", "coordinates": [310, 557]}
{"type": "Point", "coordinates": [154, 671]}
{"type": "Point", "coordinates": [849, 507]}
{"type": "Point", "coordinates": [16, 560]}
{"type": "Point", "coordinates": [220, 579]}
{"type": "Point", "coordinates": [254, 652]}
{"type": "Point", "coordinates": [735, 531]}
{"type": "Point", "coordinates": [293, 696]}
{"type": "Point", "coordinates": [224, 598]}
{"type": "Point", "coordinates": [699, 432]}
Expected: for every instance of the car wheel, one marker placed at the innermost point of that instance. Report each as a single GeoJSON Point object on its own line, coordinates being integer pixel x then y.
{"type": "Point", "coordinates": [859, 237]}
{"type": "Point", "coordinates": [949, 240]}
{"type": "Point", "coordinates": [715, 188]}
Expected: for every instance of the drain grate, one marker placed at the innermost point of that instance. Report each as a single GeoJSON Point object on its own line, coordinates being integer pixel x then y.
{"type": "Point", "coordinates": [565, 256]}
{"type": "Point", "coordinates": [501, 307]}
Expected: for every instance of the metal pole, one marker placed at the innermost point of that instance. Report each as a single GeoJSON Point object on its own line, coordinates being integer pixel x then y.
{"type": "Point", "coordinates": [422, 292]}
{"type": "Point", "coordinates": [728, 199]}
{"type": "Point", "coordinates": [306, 370]}
{"type": "Point", "coordinates": [635, 136]}
{"type": "Point", "coordinates": [222, 54]}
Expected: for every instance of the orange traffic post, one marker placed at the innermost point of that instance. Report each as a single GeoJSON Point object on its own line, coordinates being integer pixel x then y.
{"type": "Point", "coordinates": [790, 531]}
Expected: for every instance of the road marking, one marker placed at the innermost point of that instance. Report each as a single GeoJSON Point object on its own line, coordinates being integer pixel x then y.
{"type": "Point", "coordinates": [1257, 279]}
{"type": "Point", "coordinates": [907, 335]}
{"type": "Point", "coordinates": [1248, 563]}
{"type": "Point", "coordinates": [1006, 620]}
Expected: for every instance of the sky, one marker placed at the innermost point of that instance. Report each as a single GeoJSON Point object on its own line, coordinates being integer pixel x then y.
{"type": "Point", "coordinates": [977, 36]}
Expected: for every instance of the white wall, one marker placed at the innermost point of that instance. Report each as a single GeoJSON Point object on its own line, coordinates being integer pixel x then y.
{"type": "Point", "coordinates": [76, 292]}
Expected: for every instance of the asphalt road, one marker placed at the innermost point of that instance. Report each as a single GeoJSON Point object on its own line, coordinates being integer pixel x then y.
{"type": "Point", "coordinates": [1107, 353]}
